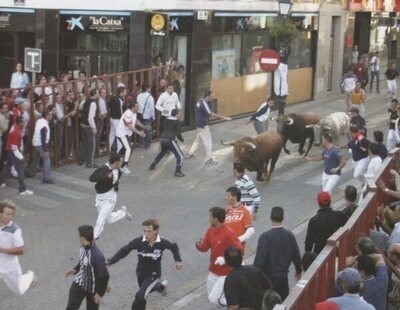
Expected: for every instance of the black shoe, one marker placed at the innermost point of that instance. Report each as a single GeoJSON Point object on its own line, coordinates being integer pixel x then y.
{"type": "Point", "coordinates": [152, 167]}
{"type": "Point", "coordinates": [91, 166]}
{"type": "Point", "coordinates": [49, 181]}
{"type": "Point", "coordinates": [179, 174]}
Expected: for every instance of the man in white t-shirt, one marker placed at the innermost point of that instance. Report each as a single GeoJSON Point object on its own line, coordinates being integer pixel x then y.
{"type": "Point", "coordinates": [11, 246]}
{"type": "Point", "coordinates": [125, 129]}
{"type": "Point", "coordinates": [168, 101]}
{"type": "Point", "coordinates": [375, 62]}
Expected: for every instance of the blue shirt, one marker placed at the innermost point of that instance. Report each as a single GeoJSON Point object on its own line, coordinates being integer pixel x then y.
{"type": "Point", "coordinates": [351, 302]}
{"type": "Point", "coordinates": [332, 159]}
{"type": "Point", "coordinates": [202, 113]}
{"type": "Point", "coordinates": [375, 288]}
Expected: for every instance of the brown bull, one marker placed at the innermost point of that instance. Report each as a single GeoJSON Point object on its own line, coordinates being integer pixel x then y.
{"type": "Point", "coordinates": [256, 152]}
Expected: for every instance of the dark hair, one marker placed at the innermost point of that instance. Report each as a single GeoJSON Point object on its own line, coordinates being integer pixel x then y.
{"type": "Point", "coordinates": [394, 100]}
{"type": "Point", "coordinates": [114, 157]}
{"type": "Point", "coordinates": [93, 92]}
{"type": "Point", "coordinates": [7, 204]}
{"type": "Point", "coordinates": [153, 223]}
{"type": "Point", "coordinates": [277, 214]}
{"type": "Point", "coordinates": [238, 167]}
{"type": "Point", "coordinates": [2, 104]}
{"type": "Point", "coordinates": [82, 72]}
{"type": "Point", "coordinates": [233, 257]}
{"type": "Point", "coordinates": [373, 148]}
{"type": "Point", "coordinates": [324, 205]}
{"type": "Point", "coordinates": [353, 289]}
{"type": "Point", "coordinates": [234, 191]}
{"type": "Point", "coordinates": [350, 193]}
{"type": "Point", "coordinates": [327, 137]}
{"type": "Point", "coordinates": [270, 300]}
{"type": "Point", "coordinates": [145, 86]}
{"type": "Point", "coordinates": [86, 231]}
{"type": "Point", "coordinates": [174, 112]}
{"type": "Point", "coordinates": [378, 136]}
{"type": "Point", "coordinates": [207, 93]}
{"type": "Point", "coordinates": [366, 246]}
{"type": "Point", "coordinates": [354, 129]}
{"type": "Point", "coordinates": [120, 89]}
{"type": "Point", "coordinates": [218, 213]}
{"type": "Point", "coordinates": [19, 119]}
{"type": "Point", "coordinates": [131, 104]}
{"type": "Point", "coordinates": [48, 109]}
{"type": "Point", "coordinates": [366, 263]}
{"type": "Point", "coordinates": [307, 259]}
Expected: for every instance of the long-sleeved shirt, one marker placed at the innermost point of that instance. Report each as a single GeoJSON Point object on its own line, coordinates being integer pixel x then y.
{"type": "Point", "coordinates": [41, 134]}
{"type": "Point", "coordinates": [276, 250]}
{"type": "Point", "coordinates": [172, 129]}
{"type": "Point", "coordinates": [218, 240]}
{"type": "Point", "coordinates": [91, 271]}
{"type": "Point", "coordinates": [149, 257]}
{"type": "Point", "coordinates": [373, 167]}
{"type": "Point", "coordinates": [19, 80]}
{"type": "Point", "coordinates": [14, 142]}
{"type": "Point", "coordinates": [4, 122]}
{"type": "Point", "coordinates": [250, 195]}
{"type": "Point", "coordinates": [375, 288]}
{"type": "Point", "coordinates": [104, 183]}
{"type": "Point", "coordinates": [166, 103]}
{"type": "Point", "coordinates": [146, 106]}
{"type": "Point", "coordinates": [321, 226]}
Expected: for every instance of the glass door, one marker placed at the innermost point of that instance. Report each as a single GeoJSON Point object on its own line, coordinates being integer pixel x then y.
{"type": "Point", "coordinates": [77, 63]}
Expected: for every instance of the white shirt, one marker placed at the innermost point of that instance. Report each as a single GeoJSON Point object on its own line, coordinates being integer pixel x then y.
{"type": "Point", "coordinates": [102, 106]}
{"type": "Point", "coordinates": [395, 235]}
{"type": "Point", "coordinates": [19, 80]}
{"type": "Point", "coordinates": [59, 110]}
{"type": "Point", "coordinates": [349, 83]}
{"type": "Point", "coordinates": [10, 237]}
{"type": "Point", "coordinates": [36, 139]}
{"type": "Point", "coordinates": [166, 103]}
{"type": "Point", "coordinates": [92, 114]}
{"type": "Point", "coordinates": [375, 62]}
{"type": "Point", "coordinates": [373, 167]}
{"type": "Point", "coordinates": [128, 118]}
{"type": "Point", "coordinates": [146, 99]}
{"type": "Point", "coordinates": [265, 116]}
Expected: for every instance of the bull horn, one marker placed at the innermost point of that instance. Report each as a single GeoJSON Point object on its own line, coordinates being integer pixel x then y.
{"type": "Point", "coordinates": [274, 118]}
{"type": "Point", "coordinates": [227, 143]}
{"type": "Point", "coordinates": [290, 120]}
{"type": "Point", "coordinates": [252, 145]}
{"type": "Point", "coordinates": [310, 126]}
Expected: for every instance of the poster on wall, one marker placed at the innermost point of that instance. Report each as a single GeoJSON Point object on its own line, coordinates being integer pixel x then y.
{"type": "Point", "coordinates": [374, 5]}
{"type": "Point", "coordinates": [223, 64]}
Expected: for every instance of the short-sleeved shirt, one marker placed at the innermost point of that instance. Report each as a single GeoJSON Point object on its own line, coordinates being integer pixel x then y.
{"type": "Point", "coordinates": [332, 158]}
{"type": "Point", "coordinates": [202, 113]}
{"type": "Point", "coordinates": [238, 219]}
{"type": "Point", "coordinates": [10, 237]}
{"type": "Point", "coordinates": [128, 118]}
{"type": "Point", "coordinates": [391, 74]}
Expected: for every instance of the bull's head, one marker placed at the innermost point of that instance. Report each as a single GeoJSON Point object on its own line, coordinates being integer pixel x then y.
{"type": "Point", "coordinates": [283, 121]}
{"type": "Point", "coordinates": [241, 148]}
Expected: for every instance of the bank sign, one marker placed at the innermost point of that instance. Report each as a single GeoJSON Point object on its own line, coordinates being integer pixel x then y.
{"type": "Point", "coordinates": [90, 23]}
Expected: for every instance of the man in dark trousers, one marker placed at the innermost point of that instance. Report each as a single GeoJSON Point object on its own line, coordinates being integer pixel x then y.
{"type": "Point", "coordinates": [358, 121]}
{"type": "Point", "coordinates": [150, 248]}
{"type": "Point", "coordinates": [117, 108]}
{"type": "Point", "coordinates": [172, 130]}
{"type": "Point", "coordinates": [245, 286]}
{"type": "Point", "coordinates": [322, 225]}
{"type": "Point", "coordinates": [276, 250]}
{"type": "Point", "coordinates": [91, 275]}
{"type": "Point", "coordinates": [107, 179]}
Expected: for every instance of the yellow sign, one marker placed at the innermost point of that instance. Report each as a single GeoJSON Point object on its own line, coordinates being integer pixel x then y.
{"type": "Point", "coordinates": [157, 22]}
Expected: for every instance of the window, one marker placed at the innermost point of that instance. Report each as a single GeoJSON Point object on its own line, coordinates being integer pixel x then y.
{"type": "Point", "coordinates": [226, 56]}
{"type": "Point", "coordinates": [300, 56]}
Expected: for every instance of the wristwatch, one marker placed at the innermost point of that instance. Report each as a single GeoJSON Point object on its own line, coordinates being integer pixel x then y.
{"type": "Point", "coordinates": [386, 189]}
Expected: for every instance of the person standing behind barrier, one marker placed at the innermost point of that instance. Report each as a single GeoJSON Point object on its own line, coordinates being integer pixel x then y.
{"type": "Point", "coordinates": [393, 116]}
{"type": "Point", "coordinates": [375, 64]}
{"type": "Point", "coordinates": [71, 108]}
{"type": "Point", "coordinates": [391, 76]}
{"type": "Point", "coordinates": [116, 108]}
{"type": "Point", "coordinates": [41, 142]}
{"type": "Point", "coordinates": [260, 118]}
{"type": "Point", "coordinates": [4, 122]}
{"type": "Point", "coordinates": [88, 129]}
{"type": "Point", "coordinates": [359, 150]}
{"type": "Point", "coordinates": [60, 118]}
{"type": "Point", "coordinates": [333, 163]}
{"type": "Point", "coordinates": [147, 112]}
{"type": "Point", "coordinates": [202, 116]}
{"type": "Point", "coordinates": [19, 78]}
{"type": "Point", "coordinates": [102, 116]}
{"type": "Point", "coordinates": [276, 249]}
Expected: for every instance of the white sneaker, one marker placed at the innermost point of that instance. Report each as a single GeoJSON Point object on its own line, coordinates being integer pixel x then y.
{"type": "Point", "coordinates": [3, 185]}
{"type": "Point", "coordinates": [126, 170]}
{"type": "Point", "coordinates": [26, 192]}
{"type": "Point", "coordinates": [128, 216]}
{"type": "Point", "coordinates": [34, 282]}
{"type": "Point", "coordinates": [164, 291]}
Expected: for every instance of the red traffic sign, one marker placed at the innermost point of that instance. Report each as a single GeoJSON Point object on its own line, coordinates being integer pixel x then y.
{"type": "Point", "coordinates": [269, 60]}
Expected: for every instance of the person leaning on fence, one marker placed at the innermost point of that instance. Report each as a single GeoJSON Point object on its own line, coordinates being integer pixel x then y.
{"type": "Point", "coordinates": [350, 195]}
{"type": "Point", "coordinates": [146, 113]}
{"type": "Point", "coordinates": [116, 108]}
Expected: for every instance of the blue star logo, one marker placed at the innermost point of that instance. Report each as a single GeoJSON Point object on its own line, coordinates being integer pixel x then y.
{"type": "Point", "coordinates": [173, 24]}
{"type": "Point", "coordinates": [75, 22]}
{"type": "Point", "coordinates": [240, 24]}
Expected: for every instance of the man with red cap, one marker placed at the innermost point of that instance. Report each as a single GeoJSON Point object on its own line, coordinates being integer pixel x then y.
{"type": "Point", "coordinates": [322, 225]}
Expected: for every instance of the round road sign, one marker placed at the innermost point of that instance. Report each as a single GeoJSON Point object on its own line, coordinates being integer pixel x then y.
{"type": "Point", "coordinates": [269, 60]}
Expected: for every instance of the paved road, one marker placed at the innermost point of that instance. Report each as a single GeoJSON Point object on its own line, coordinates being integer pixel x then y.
{"type": "Point", "coordinates": [50, 217]}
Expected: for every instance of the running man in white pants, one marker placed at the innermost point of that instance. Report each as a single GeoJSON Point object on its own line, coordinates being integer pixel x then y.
{"type": "Point", "coordinates": [392, 120]}
{"type": "Point", "coordinates": [117, 108]}
{"type": "Point", "coordinates": [12, 245]}
{"type": "Point", "coordinates": [333, 163]}
{"type": "Point", "coordinates": [202, 116]}
{"type": "Point", "coordinates": [125, 129]}
{"type": "Point", "coordinates": [391, 76]}
{"type": "Point", "coordinates": [359, 150]}
{"type": "Point", "coordinates": [106, 178]}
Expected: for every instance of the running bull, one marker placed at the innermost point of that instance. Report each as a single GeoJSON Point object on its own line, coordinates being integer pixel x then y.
{"type": "Point", "coordinates": [297, 128]}
{"type": "Point", "coordinates": [335, 124]}
{"type": "Point", "coordinates": [256, 152]}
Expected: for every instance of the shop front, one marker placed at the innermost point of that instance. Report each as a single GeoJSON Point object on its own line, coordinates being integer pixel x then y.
{"type": "Point", "coordinates": [94, 43]}
{"type": "Point", "coordinates": [17, 31]}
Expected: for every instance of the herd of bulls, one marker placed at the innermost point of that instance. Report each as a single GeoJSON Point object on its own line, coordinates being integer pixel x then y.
{"type": "Point", "coordinates": [256, 152]}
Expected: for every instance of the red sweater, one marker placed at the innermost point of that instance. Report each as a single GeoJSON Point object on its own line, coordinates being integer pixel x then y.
{"type": "Point", "coordinates": [14, 140]}
{"type": "Point", "coordinates": [218, 240]}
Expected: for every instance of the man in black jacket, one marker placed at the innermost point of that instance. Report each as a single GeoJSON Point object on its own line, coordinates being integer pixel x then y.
{"type": "Point", "coordinates": [117, 108]}
{"type": "Point", "coordinates": [322, 225]}
{"type": "Point", "coordinates": [172, 129]}
{"type": "Point", "coordinates": [106, 178]}
{"type": "Point", "coordinates": [91, 275]}
{"type": "Point", "coordinates": [150, 248]}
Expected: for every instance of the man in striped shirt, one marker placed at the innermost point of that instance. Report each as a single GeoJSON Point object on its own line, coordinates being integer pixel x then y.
{"type": "Point", "coordinates": [250, 196]}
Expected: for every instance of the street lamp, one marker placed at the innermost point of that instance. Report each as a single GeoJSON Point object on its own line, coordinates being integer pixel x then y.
{"type": "Point", "coordinates": [285, 6]}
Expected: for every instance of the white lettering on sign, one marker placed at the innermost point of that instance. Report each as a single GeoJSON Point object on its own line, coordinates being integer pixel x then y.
{"type": "Point", "coordinates": [269, 61]}
{"type": "Point", "coordinates": [104, 21]}
{"type": "Point", "coordinates": [32, 55]}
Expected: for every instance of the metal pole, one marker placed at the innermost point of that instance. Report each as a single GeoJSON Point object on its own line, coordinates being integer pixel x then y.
{"type": "Point", "coordinates": [33, 78]}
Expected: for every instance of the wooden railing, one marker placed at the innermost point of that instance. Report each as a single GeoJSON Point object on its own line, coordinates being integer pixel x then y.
{"type": "Point", "coordinates": [317, 283]}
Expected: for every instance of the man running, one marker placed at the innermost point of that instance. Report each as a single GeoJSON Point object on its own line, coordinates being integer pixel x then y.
{"type": "Point", "coordinates": [150, 248]}
{"type": "Point", "coordinates": [11, 246]}
{"type": "Point", "coordinates": [106, 178]}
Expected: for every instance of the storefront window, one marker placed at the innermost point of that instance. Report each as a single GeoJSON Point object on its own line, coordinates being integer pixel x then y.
{"type": "Point", "coordinates": [226, 56]}
{"type": "Point", "coordinates": [300, 56]}
{"type": "Point", "coordinates": [99, 42]}
{"type": "Point", "coordinates": [380, 29]}
{"type": "Point", "coordinates": [252, 42]}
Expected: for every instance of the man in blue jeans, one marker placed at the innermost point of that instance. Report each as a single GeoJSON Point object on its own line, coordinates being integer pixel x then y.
{"type": "Point", "coordinates": [146, 113]}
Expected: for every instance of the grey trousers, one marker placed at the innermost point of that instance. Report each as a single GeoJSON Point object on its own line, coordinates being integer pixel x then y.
{"type": "Point", "coordinates": [38, 153]}
{"type": "Point", "coordinates": [12, 160]}
{"type": "Point", "coordinates": [87, 145]}
{"type": "Point", "coordinates": [260, 127]}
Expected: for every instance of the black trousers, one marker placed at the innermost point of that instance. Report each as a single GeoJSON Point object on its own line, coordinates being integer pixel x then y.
{"type": "Point", "coordinates": [88, 145]}
{"type": "Point", "coordinates": [12, 160]}
{"type": "Point", "coordinates": [147, 285]}
{"type": "Point", "coordinates": [76, 296]}
{"type": "Point", "coordinates": [170, 145]}
{"type": "Point", "coordinates": [281, 286]}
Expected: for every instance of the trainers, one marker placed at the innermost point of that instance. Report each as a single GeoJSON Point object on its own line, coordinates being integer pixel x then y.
{"type": "Point", "coordinates": [211, 162]}
{"type": "Point", "coordinates": [34, 282]}
{"type": "Point", "coordinates": [48, 181]}
{"type": "Point", "coordinates": [3, 185]}
{"type": "Point", "coordinates": [179, 174]}
{"type": "Point", "coordinates": [189, 156]}
{"type": "Point", "coordinates": [164, 283]}
{"type": "Point", "coordinates": [26, 192]}
{"type": "Point", "coordinates": [126, 170]}
{"type": "Point", "coordinates": [128, 216]}
{"type": "Point", "coordinates": [152, 167]}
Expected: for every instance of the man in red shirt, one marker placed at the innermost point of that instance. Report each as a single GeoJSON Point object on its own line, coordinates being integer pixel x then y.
{"type": "Point", "coordinates": [217, 238]}
{"type": "Point", "coordinates": [15, 156]}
